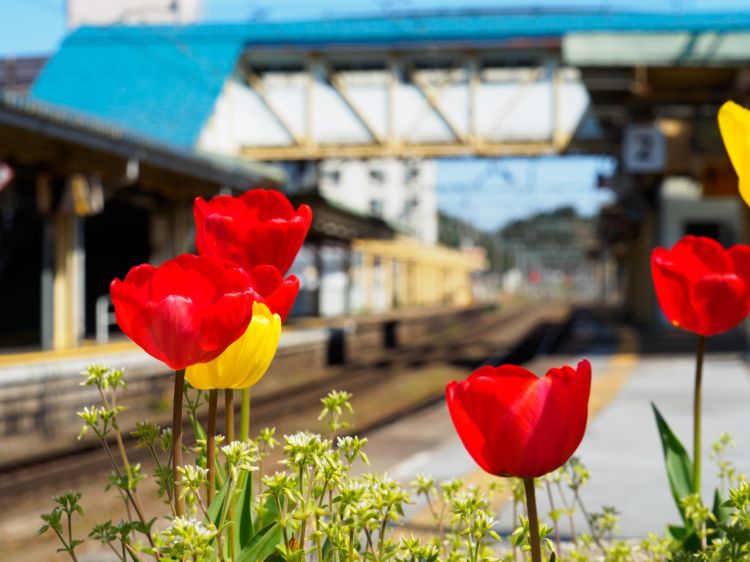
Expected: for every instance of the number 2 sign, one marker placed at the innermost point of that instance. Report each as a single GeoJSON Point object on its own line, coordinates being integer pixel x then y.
{"type": "Point", "coordinates": [644, 149]}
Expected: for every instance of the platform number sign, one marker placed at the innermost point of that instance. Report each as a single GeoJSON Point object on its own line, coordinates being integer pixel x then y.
{"type": "Point", "coordinates": [644, 149]}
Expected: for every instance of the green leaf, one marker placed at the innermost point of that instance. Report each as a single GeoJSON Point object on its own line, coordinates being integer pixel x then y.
{"type": "Point", "coordinates": [678, 463]}
{"type": "Point", "coordinates": [268, 515]}
{"type": "Point", "coordinates": [262, 545]}
{"type": "Point", "coordinates": [200, 433]}
{"type": "Point", "coordinates": [214, 510]}
{"type": "Point", "coordinates": [244, 529]}
{"type": "Point", "coordinates": [719, 510]}
{"type": "Point", "coordinates": [327, 550]}
{"type": "Point", "coordinates": [686, 539]}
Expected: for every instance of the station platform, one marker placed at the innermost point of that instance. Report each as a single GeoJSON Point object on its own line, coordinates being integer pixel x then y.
{"type": "Point", "coordinates": [21, 366]}
{"type": "Point", "coordinates": [621, 447]}
{"type": "Point", "coordinates": [42, 364]}
{"type": "Point", "coordinates": [40, 390]}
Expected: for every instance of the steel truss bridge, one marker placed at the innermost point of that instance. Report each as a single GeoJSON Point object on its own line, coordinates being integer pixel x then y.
{"type": "Point", "coordinates": [403, 105]}
{"type": "Point", "coordinates": [485, 84]}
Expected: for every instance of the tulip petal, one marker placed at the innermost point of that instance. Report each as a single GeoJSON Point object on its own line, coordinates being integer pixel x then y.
{"type": "Point", "coordinates": [566, 399]}
{"type": "Point", "coordinates": [278, 293]}
{"type": "Point", "coordinates": [244, 362]}
{"type": "Point", "coordinates": [740, 256]}
{"type": "Point", "coordinates": [734, 124]}
{"type": "Point", "coordinates": [728, 290]}
{"type": "Point", "coordinates": [672, 290]}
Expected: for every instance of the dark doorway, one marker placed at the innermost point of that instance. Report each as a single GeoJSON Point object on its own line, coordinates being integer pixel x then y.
{"type": "Point", "coordinates": [712, 229]}
{"type": "Point", "coordinates": [21, 229]}
{"type": "Point", "coordinates": [116, 240]}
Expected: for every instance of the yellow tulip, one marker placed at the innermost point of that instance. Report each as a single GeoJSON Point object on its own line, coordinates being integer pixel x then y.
{"type": "Point", "coordinates": [734, 124]}
{"type": "Point", "coordinates": [244, 362]}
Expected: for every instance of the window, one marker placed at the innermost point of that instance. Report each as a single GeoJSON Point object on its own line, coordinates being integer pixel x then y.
{"type": "Point", "coordinates": [376, 208]}
{"type": "Point", "coordinates": [377, 176]}
{"type": "Point", "coordinates": [411, 173]}
{"type": "Point", "coordinates": [332, 176]}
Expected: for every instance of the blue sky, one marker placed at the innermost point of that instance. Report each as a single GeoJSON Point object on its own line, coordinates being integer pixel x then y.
{"type": "Point", "coordinates": [489, 193]}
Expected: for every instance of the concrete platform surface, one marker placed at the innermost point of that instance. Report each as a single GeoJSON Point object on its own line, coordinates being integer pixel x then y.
{"type": "Point", "coordinates": [40, 365]}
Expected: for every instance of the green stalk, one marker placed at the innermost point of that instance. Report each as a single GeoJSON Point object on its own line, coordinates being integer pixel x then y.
{"type": "Point", "coordinates": [536, 551]}
{"type": "Point", "coordinates": [213, 396]}
{"type": "Point", "coordinates": [229, 412]}
{"type": "Point", "coordinates": [697, 414]}
{"type": "Point", "coordinates": [179, 383]}
{"type": "Point", "coordinates": [245, 414]}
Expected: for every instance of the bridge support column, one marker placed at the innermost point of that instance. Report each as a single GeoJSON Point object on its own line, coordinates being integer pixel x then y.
{"type": "Point", "coordinates": [640, 300]}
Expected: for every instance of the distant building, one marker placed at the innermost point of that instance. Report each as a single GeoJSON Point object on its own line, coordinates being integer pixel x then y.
{"type": "Point", "coordinates": [401, 192]}
{"type": "Point", "coordinates": [132, 12]}
{"type": "Point", "coordinates": [17, 74]}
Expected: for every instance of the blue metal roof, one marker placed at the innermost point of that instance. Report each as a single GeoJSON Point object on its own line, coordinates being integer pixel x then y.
{"type": "Point", "coordinates": [163, 85]}
{"type": "Point", "coordinates": [67, 124]}
{"type": "Point", "coordinates": [474, 27]}
{"type": "Point", "coordinates": [163, 81]}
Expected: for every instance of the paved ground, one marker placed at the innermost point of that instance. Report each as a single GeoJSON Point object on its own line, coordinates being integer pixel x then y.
{"type": "Point", "coordinates": [621, 447]}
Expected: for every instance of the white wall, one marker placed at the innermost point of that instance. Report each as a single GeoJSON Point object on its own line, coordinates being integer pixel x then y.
{"type": "Point", "coordinates": [108, 12]}
{"type": "Point", "coordinates": [400, 191]}
{"type": "Point", "coordinates": [682, 204]}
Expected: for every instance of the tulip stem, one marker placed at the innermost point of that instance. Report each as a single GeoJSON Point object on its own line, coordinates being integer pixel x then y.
{"type": "Point", "coordinates": [179, 383]}
{"type": "Point", "coordinates": [536, 552]}
{"type": "Point", "coordinates": [245, 414]}
{"type": "Point", "coordinates": [697, 414]}
{"type": "Point", "coordinates": [213, 396]}
{"type": "Point", "coordinates": [229, 411]}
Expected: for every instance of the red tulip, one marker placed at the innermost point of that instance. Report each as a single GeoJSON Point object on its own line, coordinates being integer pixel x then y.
{"type": "Point", "coordinates": [273, 290]}
{"type": "Point", "coordinates": [514, 423]}
{"type": "Point", "coordinates": [186, 311]}
{"type": "Point", "coordinates": [259, 227]}
{"type": "Point", "coordinates": [702, 287]}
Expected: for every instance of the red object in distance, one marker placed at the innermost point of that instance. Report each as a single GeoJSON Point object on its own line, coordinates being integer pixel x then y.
{"type": "Point", "coordinates": [260, 227]}
{"type": "Point", "coordinates": [514, 423]}
{"type": "Point", "coordinates": [186, 311]}
{"type": "Point", "coordinates": [702, 287]}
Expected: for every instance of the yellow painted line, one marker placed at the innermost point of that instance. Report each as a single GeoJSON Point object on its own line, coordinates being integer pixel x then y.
{"type": "Point", "coordinates": [83, 352]}
{"type": "Point", "coordinates": [604, 388]}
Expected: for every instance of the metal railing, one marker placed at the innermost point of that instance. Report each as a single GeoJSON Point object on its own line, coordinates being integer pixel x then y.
{"type": "Point", "coordinates": [105, 317]}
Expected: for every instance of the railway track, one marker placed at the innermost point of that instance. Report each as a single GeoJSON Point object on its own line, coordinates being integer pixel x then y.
{"type": "Point", "coordinates": [511, 337]}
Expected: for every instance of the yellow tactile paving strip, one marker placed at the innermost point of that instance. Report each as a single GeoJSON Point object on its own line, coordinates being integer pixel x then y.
{"type": "Point", "coordinates": [86, 351]}
{"type": "Point", "coordinates": [604, 388]}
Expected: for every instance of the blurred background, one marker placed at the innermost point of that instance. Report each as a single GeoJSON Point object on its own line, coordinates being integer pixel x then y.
{"type": "Point", "coordinates": [488, 149]}
{"type": "Point", "coordinates": [458, 156]}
